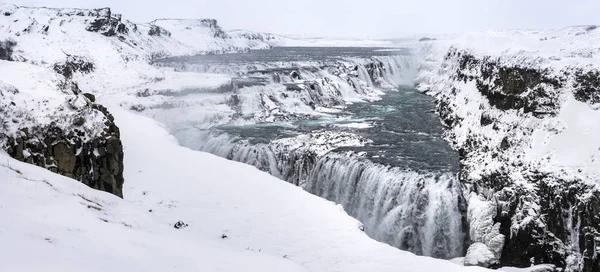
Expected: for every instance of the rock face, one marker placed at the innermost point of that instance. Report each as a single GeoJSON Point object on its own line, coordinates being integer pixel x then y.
{"type": "Point", "coordinates": [96, 161]}
{"type": "Point", "coordinates": [107, 24]}
{"type": "Point", "coordinates": [587, 86]}
{"type": "Point", "coordinates": [213, 25]}
{"type": "Point", "coordinates": [57, 127]}
{"type": "Point", "coordinates": [492, 108]}
{"type": "Point", "coordinates": [510, 87]}
{"type": "Point", "coordinates": [158, 31]}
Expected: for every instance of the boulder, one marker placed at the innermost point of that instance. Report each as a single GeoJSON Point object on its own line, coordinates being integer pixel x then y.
{"type": "Point", "coordinates": [479, 254]}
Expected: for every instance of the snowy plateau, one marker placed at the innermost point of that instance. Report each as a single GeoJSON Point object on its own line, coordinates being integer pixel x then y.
{"type": "Point", "coordinates": [176, 145]}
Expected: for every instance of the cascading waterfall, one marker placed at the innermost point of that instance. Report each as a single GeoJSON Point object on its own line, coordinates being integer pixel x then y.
{"type": "Point", "coordinates": [409, 210]}
{"type": "Point", "coordinates": [413, 210]}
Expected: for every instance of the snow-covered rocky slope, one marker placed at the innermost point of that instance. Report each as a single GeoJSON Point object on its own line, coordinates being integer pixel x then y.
{"type": "Point", "coordinates": [522, 108]}
{"type": "Point", "coordinates": [48, 120]}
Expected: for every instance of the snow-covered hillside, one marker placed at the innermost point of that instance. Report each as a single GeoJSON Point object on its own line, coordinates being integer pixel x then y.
{"type": "Point", "coordinates": [522, 109]}
{"type": "Point", "coordinates": [72, 31]}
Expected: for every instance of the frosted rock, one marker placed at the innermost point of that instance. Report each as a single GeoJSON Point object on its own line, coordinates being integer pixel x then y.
{"type": "Point", "coordinates": [482, 227]}
{"type": "Point", "coordinates": [479, 254]}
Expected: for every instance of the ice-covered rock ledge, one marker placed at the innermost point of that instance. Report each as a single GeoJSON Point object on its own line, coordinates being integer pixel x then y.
{"type": "Point", "coordinates": [522, 107]}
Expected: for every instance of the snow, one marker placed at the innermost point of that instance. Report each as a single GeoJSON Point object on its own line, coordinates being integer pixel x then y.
{"type": "Point", "coordinates": [572, 144]}
{"type": "Point", "coordinates": [535, 268]}
{"type": "Point", "coordinates": [479, 254]}
{"type": "Point", "coordinates": [356, 125]}
{"type": "Point", "coordinates": [59, 224]}
{"type": "Point", "coordinates": [482, 229]}
{"type": "Point", "coordinates": [38, 99]}
{"type": "Point", "coordinates": [321, 142]}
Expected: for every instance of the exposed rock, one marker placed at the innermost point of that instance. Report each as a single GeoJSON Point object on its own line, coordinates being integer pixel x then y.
{"type": "Point", "coordinates": [107, 24]}
{"type": "Point", "coordinates": [509, 86]}
{"type": "Point", "coordinates": [88, 151]}
{"type": "Point", "coordinates": [486, 119]}
{"type": "Point", "coordinates": [158, 31]}
{"type": "Point", "coordinates": [74, 64]}
{"type": "Point", "coordinates": [90, 97]}
{"type": "Point", "coordinates": [215, 28]}
{"type": "Point", "coordinates": [587, 87]}
{"type": "Point", "coordinates": [180, 225]}
{"type": "Point", "coordinates": [6, 49]}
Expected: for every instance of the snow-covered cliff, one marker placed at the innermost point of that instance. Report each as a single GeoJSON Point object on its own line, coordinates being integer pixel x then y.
{"type": "Point", "coordinates": [42, 32]}
{"type": "Point", "coordinates": [59, 55]}
{"type": "Point", "coordinates": [522, 108]}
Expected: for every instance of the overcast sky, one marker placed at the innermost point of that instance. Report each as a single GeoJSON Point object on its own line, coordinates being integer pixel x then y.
{"type": "Point", "coordinates": [355, 18]}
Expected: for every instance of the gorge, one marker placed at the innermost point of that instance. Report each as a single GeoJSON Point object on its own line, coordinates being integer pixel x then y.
{"type": "Point", "coordinates": [463, 147]}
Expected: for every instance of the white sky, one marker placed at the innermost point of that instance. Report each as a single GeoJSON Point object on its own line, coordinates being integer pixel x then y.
{"type": "Point", "coordinates": [355, 18]}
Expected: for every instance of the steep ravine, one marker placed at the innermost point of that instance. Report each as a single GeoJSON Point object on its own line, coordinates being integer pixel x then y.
{"type": "Point", "coordinates": [514, 209]}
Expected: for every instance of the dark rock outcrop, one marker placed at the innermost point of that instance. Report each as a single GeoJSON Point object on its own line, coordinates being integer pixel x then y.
{"type": "Point", "coordinates": [6, 49]}
{"type": "Point", "coordinates": [510, 86]}
{"type": "Point", "coordinates": [86, 148]}
{"type": "Point", "coordinates": [217, 31]}
{"type": "Point", "coordinates": [587, 86]}
{"type": "Point", "coordinates": [158, 31]}
{"type": "Point", "coordinates": [73, 64]}
{"type": "Point", "coordinates": [107, 24]}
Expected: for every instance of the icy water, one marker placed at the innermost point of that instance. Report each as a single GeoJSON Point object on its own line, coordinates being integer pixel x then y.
{"type": "Point", "coordinates": [289, 54]}
{"type": "Point", "coordinates": [401, 183]}
{"type": "Point", "coordinates": [403, 127]}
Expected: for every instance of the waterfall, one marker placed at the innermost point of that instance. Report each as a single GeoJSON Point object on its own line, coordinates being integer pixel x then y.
{"type": "Point", "coordinates": [408, 209]}
{"type": "Point", "coordinates": [364, 75]}
{"type": "Point", "coordinates": [413, 211]}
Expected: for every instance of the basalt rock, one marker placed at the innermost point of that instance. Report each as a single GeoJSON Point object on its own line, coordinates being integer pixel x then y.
{"type": "Point", "coordinates": [509, 87]}
{"type": "Point", "coordinates": [217, 31]}
{"type": "Point", "coordinates": [107, 24]}
{"type": "Point", "coordinates": [6, 49]}
{"type": "Point", "coordinates": [74, 64]}
{"type": "Point", "coordinates": [95, 160]}
{"type": "Point", "coordinates": [587, 87]}
{"type": "Point", "coordinates": [158, 31]}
